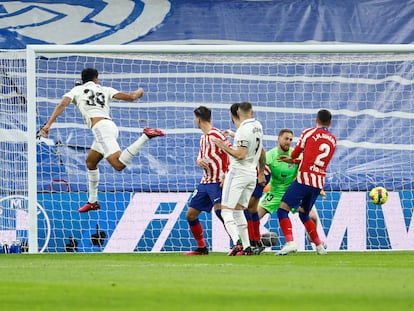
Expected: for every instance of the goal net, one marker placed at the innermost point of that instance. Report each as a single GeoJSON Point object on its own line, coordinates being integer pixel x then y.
{"type": "Point", "coordinates": [368, 89]}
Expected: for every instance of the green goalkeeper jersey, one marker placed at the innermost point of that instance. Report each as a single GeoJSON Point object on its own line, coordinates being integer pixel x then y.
{"type": "Point", "coordinates": [282, 175]}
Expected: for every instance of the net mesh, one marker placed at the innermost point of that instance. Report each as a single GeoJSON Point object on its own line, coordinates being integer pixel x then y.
{"type": "Point", "coordinates": [143, 207]}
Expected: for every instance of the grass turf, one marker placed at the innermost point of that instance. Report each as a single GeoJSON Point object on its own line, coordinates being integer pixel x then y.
{"type": "Point", "coordinates": [144, 281]}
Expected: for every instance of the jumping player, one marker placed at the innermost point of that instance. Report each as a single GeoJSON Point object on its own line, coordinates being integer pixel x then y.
{"type": "Point", "coordinates": [93, 102]}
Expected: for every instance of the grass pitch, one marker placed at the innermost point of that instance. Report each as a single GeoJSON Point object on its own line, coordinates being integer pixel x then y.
{"type": "Point", "coordinates": [303, 281]}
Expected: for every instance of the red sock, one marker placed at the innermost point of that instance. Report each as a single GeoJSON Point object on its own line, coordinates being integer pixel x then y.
{"type": "Point", "coordinates": [256, 226]}
{"type": "Point", "coordinates": [311, 229]}
{"type": "Point", "coordinates": [197, 231]}
{"type": "Point", "coordinates": [250, 228]}
{"type": "Point", "coordinates": [286, 226]}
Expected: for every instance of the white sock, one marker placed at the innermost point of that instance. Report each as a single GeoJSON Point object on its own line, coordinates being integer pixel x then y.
{"type": "Point", "coordinates": [129, 153]}
{"type": "Point", "coordinates": [93, 182]}
{"type": "Point", "coordinates": [241, 222]}
{"type": "Point", "coordinates": [230, 225]}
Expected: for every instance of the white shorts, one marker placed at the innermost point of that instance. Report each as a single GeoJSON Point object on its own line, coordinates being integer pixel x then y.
{"type": "Point", "coordinates": [105, 134]}
{"type": "Point", "coordinates": [238, 188]}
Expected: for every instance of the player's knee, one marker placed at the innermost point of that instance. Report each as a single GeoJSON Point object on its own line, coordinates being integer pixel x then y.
{"type": "Point", "coordinates": [119, 167]}
{"type": "Point", "coordinates": [194, 222]}
{"type": "Point", "coordinates": [91, 165]}
{"type": "Point", "coordinates": [227, 215]}
{"type": "Point", "coordinates": [281, 213]}
{"type": "Point", "coordinates": [218, 214]}
{"type": "Point", "coordinates": [247, 214]}
{"type": "Point", "coordinates": [313, 215]}
{"type": "Point", "coordinates": [240, 218]}
{"type": "Point", "coordinates": [192, 214]}
{"type": "Point", "coordinates": [303, 217]}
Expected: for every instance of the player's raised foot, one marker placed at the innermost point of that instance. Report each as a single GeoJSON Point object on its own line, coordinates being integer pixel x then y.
{"type": "Point", "coordinates": [245, 252]}
{"type": "Point", "coordinates": [236, 248]}
{"type": "Point", "coordinates": [153, 132]}
{"type": "Point", "coordinates": [198, 251]}
{"type": "Point", "coordinates": [89, 207]}
{"type": "Point", "coordinates": [289, 247]}
{"type": "Point", "coordinates": [321, 249]}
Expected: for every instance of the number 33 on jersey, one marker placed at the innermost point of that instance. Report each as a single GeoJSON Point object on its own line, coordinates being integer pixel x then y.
{"type": "Point", "coordinates": [92, 100]}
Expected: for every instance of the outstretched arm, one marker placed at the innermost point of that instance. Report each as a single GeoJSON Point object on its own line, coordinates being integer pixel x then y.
{"type": "Point", "coordinates": [130, 97]}
{"type": "Point", "coordinates": [58, 110]}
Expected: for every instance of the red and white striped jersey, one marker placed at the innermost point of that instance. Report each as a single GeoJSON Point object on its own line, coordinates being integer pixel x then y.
{"type": "Point", "coordinates": [266, 170]}
{"type": "Point", "coordinates": [318, 146]}
{"type": "Point", "coordinates": [218, 159]}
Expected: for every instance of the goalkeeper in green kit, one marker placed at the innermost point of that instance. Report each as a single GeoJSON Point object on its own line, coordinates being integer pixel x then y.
{"type": "Point", "coordinates": [282, 175]}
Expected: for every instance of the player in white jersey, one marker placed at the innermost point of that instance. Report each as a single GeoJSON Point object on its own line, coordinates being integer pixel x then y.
{"type": "Point", "coordinates": [93, 102]}
{"type": "Point", "coordinates": [246, 155]}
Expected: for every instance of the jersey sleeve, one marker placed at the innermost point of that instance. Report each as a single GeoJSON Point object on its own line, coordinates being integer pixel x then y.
{"type": "Point", "coordinates": [296, 151]}
{"type": "Point", "coordinates": [71, 94]}
{"type": "Point", "coordinates": [241, 139]}
{"type": "Point", "coordinates": [111, 92]}
{"type": "Point", "coordinates": [270, 156]}
{"type": "Point", "coordinates": [300, 145]}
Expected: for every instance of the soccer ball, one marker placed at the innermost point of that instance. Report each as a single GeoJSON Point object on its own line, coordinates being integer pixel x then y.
{"type": "Point", "coordinates": [378, 195]}
{"type": "Point", "coordinates": [269, 239]}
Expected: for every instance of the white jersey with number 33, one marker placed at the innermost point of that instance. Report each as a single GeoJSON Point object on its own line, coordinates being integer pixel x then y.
{"type": "Point", "coordinates": [250, 136]}
{"type": "Point", "coordinates": [92, 100]}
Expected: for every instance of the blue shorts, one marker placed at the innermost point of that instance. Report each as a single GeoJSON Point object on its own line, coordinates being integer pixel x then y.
{"type": "Point", "coordinates": [301, 195]}
{"type": "Point", "coordinates": [258, 191]}
{"type": "Point", "coordinates": [205, 197]}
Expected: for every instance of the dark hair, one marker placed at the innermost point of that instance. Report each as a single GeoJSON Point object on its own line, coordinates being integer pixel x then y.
{"type": "Point", "coordinates": [233, 110]}
{"type": "Point", "coordinates": [282, 131]}
{"type": "Point", "coordinates": [203, 113]}
{"type": "Point", "coordinates": [245, 106]}
{"type": "Point", "coordinates": [324, 117]}
{"type": "Point", "coordinates": [89, 74]}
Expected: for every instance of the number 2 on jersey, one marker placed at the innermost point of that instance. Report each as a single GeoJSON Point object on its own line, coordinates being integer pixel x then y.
{"type": "Point", "coordinates": [325, 148]}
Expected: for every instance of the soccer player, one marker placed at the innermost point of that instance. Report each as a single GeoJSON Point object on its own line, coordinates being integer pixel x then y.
{"type": "Point", "coordinates": [214, 162]}
{"type": "Point", "coordinates": [93, 102]}
{"type": "Point", "coordinates": [246, 155]}
{"type": "Point", "coordinates": [318, 146]}
{"type": "Point", "coordinates": [282, 175]}
{"type": "Point", "coordinates": [251, 213]}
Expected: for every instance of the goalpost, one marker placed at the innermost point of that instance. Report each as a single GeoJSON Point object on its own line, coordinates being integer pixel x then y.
{"type": "Point", "coordinates": [368, 88]}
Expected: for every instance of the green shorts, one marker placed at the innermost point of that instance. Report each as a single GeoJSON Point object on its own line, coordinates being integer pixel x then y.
{"type": "Point", "coordinates": [270, 202]}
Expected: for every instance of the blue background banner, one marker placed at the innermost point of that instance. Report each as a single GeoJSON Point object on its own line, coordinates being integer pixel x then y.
{"type": "Point", "coordinates": [133, 22]}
